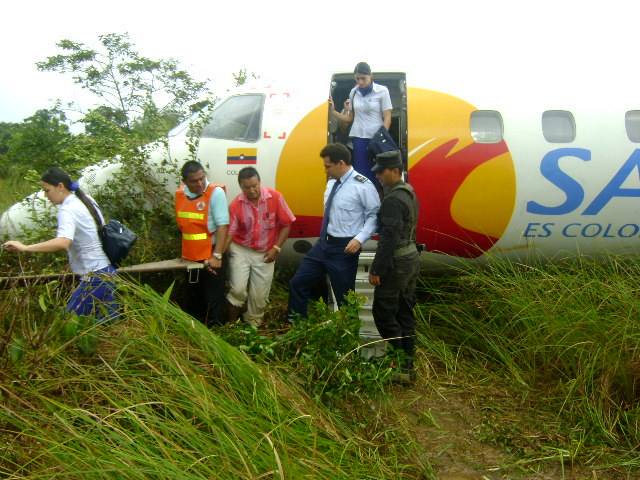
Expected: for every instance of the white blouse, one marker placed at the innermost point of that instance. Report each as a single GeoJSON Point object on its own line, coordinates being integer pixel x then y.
{"type": "Point", "coordinates": [76, 223]}
{"type": "Point", "coordinates": [368, 110]}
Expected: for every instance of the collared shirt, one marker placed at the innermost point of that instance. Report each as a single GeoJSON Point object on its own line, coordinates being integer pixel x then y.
{"type": "Point", "coordinates": [354, 207]}
{"type": "Point", "coordinates": [368, 110]}
{"type": "Point", "coordinates": [77, 224]}
{"type": "Point", "coordinates": [258, 226]}
{"type": "Point", "coordinates": [218, 207]}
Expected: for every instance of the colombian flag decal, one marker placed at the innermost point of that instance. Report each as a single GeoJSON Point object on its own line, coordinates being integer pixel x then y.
{"type": "Point", "coordinates": [242, 156]}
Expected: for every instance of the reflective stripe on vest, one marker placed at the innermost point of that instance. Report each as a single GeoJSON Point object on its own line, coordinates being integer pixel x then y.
{"type": "Point", "coordinates": [195, 236]}
{"type": "Point", "coordinates": [191, 215]}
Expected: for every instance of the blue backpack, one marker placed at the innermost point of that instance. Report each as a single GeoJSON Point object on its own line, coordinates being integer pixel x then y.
{"type": "Point", "coordinates": [381, 142]}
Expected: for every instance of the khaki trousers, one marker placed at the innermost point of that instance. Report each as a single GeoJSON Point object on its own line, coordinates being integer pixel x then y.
{"type": "Point", "coordinates": [250, 281]}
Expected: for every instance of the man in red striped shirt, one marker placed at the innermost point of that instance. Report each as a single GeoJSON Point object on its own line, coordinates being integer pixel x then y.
{"type": "Point", "coordinates": [260, 221]}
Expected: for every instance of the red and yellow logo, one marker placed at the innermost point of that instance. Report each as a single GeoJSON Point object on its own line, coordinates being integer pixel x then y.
{"type": "Point", "coordinates": [466, 190]}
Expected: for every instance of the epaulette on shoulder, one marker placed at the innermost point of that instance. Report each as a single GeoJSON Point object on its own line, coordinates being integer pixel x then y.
{"type": "Point", "coordinates": [360, 178]}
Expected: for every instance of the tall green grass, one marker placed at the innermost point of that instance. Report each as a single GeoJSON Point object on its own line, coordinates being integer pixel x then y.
{"type": "Point", "coordinates": [566, 335]}
{"type": "Point", "coordinates": [163, 397]}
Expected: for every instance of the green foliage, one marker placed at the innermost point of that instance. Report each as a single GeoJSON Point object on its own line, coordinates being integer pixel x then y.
{"type": "Point", "coordinates": [163, 398]}
{"type": "Point", "coordinates": [6, 132]}
{"type": "Point", "coordinates": [137, 195]}
{"type": "Point", "coordinates": [16, 350]}
{"type": "Point", "coordinates": [242, 76]}
{"type": "Point", "coordinates": [323, 350]}
{"type": "Point", "coordinates": [141, 100]}
{"type": "Point", "coordinates": [553, 348]}
{"type": "Point", "coordinates": [566, 334]}
{"type": "Point", "coordinates": [13, 188]}
{"type": "Point", "coordinates": [40, 141]}
{"type": "Point", "coordinates": [132, 87]}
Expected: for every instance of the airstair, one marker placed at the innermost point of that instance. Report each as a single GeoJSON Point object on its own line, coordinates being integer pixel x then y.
{"type": "Point", "coordinates": [372, 343]}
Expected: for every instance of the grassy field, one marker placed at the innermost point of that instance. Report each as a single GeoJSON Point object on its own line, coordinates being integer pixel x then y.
{"type": "Point", "coordinates": [523, 372]}
{"type": "Point", "coordinates": [160, 396]}
{"type": "Point", "coordinates": [560, 343]}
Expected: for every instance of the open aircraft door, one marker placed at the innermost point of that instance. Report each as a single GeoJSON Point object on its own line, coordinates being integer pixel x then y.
{"type": "Point", "coordinates": [396, 82]}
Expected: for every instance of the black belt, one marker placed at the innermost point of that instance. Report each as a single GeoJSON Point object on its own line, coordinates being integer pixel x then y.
{"type": "Point", "coordinates": [332, 239]}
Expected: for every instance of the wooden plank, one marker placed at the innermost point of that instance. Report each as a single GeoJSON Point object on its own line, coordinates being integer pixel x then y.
{"type": "Point", "coordinates": [24, 280]}
{"type": "Point", "coordinates": [151, 267]}
{"type": "Point", "coordinates": [162, 266]}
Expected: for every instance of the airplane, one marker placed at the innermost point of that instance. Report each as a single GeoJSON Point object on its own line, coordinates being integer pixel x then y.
{"type": "Point", "coordinates": [494, 177]}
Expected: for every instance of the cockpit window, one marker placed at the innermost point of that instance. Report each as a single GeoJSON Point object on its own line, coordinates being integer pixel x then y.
{"type": "Point", "coordinates": [237, 118]}
{"type": "Point", "coordinates": [182, 127]}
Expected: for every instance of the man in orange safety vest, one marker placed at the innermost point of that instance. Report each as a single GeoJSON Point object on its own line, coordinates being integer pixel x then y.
{"type": "Point", "coordinates": [202, 215]}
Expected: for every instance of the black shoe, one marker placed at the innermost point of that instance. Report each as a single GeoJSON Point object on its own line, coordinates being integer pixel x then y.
{"type": "Point", "coordinates": [406, 375]}
{"type": "Point", "coordinates": [403, 378]}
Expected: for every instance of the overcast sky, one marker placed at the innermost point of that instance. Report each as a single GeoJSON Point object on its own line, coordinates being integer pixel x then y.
{"type": "Point", "coordinates": [447, 44]}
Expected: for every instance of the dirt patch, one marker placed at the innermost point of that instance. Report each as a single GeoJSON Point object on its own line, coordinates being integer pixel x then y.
{"type": "Point", "coordinates": [471, 429]}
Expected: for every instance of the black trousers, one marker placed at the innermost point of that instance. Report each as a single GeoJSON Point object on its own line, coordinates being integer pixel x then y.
{"type": "Point", "coordinates": [393, 302]}
{"type": "Point", "coordinates": [204, 296]}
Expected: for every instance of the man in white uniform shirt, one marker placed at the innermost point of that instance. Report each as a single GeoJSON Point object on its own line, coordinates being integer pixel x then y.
{"type": "Point", "coordinates": [351, 205]}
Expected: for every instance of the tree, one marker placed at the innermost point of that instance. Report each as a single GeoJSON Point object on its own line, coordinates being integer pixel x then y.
{"type": "Point", "coordinates": [6, 132]}
{"type": "Point", "coordinates": [94, 120]}
{"type": "Point", "coordinates": [41, 141]}
{"type": "Point", "coordinates": [131, 88]}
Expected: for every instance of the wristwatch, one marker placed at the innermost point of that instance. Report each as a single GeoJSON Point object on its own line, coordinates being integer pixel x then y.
{"type": "Point", "coordinates": [217, 255]}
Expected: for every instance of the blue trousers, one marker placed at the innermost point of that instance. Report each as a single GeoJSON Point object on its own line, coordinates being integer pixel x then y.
{"type": "Point", "coordinates": [95, 296]}
{"type": "Point", "coordinates": [324, 258]}
{"type": "Point", "coordinates": [362, 161]}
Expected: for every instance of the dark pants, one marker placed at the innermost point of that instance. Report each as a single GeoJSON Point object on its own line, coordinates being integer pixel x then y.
{"type": "Point", "coordinates": [393, 302]}
{"type": "Point", "coordinates": [326, 257]}
{"type": "Point", "coordinates": [204, 296]}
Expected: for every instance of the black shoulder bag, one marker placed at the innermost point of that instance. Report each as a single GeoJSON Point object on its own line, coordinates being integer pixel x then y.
{"type": "Point", "coordinates": [117, 239]}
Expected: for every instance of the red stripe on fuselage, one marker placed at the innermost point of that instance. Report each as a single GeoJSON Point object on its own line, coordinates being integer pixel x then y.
{"type": "Point", "coordinates": [305, 226]}
{"type": "Point", "coordinates": [436, 178]}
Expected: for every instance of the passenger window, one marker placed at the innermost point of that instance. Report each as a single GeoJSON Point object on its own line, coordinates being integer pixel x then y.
{"type": "Point", "coordinates": [632, 123]}
{"type": "Point", "coordinates": [237, 118]}
{"type": "Point", "coordinates": [558, 126]}
{"type": "Point", "coordinates": [486, 126]}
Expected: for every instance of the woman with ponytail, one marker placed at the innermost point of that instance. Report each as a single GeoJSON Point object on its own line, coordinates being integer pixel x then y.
{"type": "Point", "coordinates": [77, 233]}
